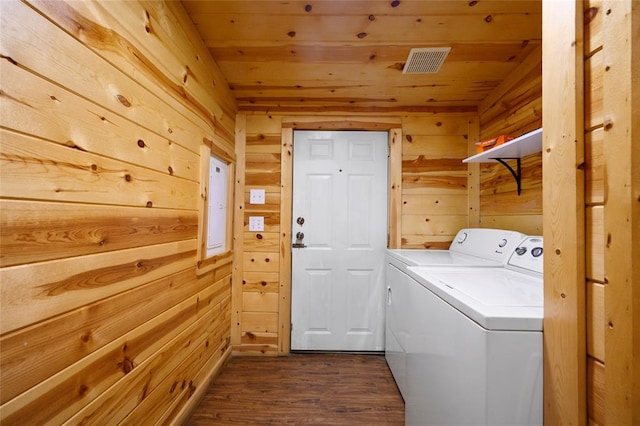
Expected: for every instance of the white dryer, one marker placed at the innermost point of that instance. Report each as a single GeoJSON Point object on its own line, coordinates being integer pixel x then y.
{"type": "Point", "coordinates": [472, 247]}
{"type": "Point", "coordinates": [475, 347]}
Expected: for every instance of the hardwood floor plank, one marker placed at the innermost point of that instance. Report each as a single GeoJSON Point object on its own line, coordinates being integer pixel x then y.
{"type": "Point", "coordinates": [310, 389]}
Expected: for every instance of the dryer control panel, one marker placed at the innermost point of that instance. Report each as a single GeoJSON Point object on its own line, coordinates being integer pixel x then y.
{"type": "Point", "coordinates": [528, 255]}
{"type": "Point", "coordinates": [487, 243]}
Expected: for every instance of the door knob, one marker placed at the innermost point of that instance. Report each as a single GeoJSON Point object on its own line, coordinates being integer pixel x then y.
{"type": "Point", "coordinates": [300, 221]}
{"type": "Point", "coordinates": [299, 243]}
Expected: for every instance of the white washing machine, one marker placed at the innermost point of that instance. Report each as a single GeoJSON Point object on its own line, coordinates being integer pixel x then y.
{"type": "Point", "coordinates": [472, 247]}
{"type": "Point", "coordinates": [474, 355]}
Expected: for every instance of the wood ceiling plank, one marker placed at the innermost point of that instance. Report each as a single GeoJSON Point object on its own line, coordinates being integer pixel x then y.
{"type": "Point", "coordinates": [229, 30]}
{"type": "Point", "coordinates": [292, 52]}
{"type": "Point", "coordinates": [361, 7]}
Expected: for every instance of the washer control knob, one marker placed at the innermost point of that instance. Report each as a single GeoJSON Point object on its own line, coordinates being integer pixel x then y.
{"type": "Point", "coordinates": [521, 250]}
{"type": "Point", "coordinates": [462, 237]}
{"type": "Point", "coordinates": [502, 243]}
{"type": "Point", "coordinates": [536, 251]}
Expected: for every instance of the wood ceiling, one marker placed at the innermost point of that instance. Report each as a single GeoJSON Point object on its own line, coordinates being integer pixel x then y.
{"type": "Point", "coordinates": [347, 56]}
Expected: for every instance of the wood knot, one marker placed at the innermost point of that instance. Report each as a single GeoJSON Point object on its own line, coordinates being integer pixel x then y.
{"type": "Point", "coordinates": [141, 143]}
{"type": "Point", "coordinates": [372, 18]}
{"type": "Point", "coordinates": [149, 204]}
{"type": "Point", "coordinates": [124, 101]}
{"type": "Point", "coordinates": [291, 34]}
{"type": "Point", "coordinates": [308, 8]}
{"type": "Point", "coordinates": [127, 365]}
{"type": "Point", "coordinates": [362, 35]}
{"type": "Point", "coordinates": [83, 389]}
{"type": "Point", "coordinates": [488, 18]}
{"type": "Point", "coordinates": [473, 3]}
{"type": "Point", "coordinates": [170, 170]}
{"type": "Point", "coordinates": [590, 14]}
{"type": "Point", "coordinates": [395, 3]}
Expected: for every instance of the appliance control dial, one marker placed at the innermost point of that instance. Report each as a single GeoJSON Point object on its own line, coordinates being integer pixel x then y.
{"type": "Point", "coordinates": [536, 251]}
{"type": "Point", "coordinates": [521, 250]}
{"type": "Point", "coordinates": [462, 237]}
{"type": "Point", "coordinates": [502, 243]}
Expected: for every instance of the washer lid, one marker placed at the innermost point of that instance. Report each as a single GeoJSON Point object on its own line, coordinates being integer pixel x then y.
{"type": "Point", "coordinates": [496, 299]}
{"type": "Point", "coordinates": [439, 258]}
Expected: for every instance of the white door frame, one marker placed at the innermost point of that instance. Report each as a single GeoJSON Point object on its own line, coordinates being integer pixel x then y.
{"type": "Point", "coordinates": [393, 126]}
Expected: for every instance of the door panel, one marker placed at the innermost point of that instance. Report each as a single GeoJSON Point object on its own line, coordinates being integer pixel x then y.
{"type": "Point", "coordinates": [340, 190]}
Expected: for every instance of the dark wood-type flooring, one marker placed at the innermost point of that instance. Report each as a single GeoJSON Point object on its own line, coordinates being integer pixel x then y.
{"type": "Point", "coordinates": [302, 389]}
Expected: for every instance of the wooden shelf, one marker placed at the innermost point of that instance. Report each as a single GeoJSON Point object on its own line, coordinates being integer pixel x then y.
{"type": "Point", "coordinates": [524, 145]}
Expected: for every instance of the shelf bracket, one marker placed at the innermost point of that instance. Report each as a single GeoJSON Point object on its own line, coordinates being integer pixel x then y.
{"type": "Point", "coordinates": [515, 173]}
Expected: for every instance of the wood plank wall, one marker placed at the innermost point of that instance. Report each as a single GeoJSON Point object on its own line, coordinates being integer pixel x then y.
{"type": "Point", "coordinates": [104, 316]}
{"type": "Point", "coordinates": [434, 178]}
{"type": "Point", "coordinates": [594, 209]}
{"type": "Point", "coordinates": [514, 108]}
{"type": "Point", "coordinates": [435, 196]}
{"type": "Point", "coordinates": [612, 168]}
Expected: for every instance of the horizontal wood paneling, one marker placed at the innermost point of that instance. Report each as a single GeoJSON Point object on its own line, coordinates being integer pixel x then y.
{"type": "Point", "coordinates": [55, 345]}
{"type": "Point", "coordinates": [32, 293]}
{"type": "Point", "coordinates": [41, 108]}
{"type": "Point", "coordinates": [260, 281]}
{"type": "Point", "coordinates": [434, 179]}
{"type": "Point", "coordinates": [594, 212]}
{"type": "Point", "coordinates": [530, 224]}
{"type": "Point", "coordinates": [505, 203]}
{"type": "Point", "coordinates": [593, 21]}
{"type": "Point", "coordinates": [593, 73]}
{"type": "Point", "coordinates": [442, 204]}
{"type": "Point", "coordinates": [595, 321]}
{"type": "Point", "coordinates": [115, 90]}
{"type": "Point", "coordinates": [621, 105]}
{"type": "Point", "coordinates": [446, 225]}
{"type": "Point", "coordinates": [39, 231]}
{"type": "Point", "coordinates": [596, 392]}
{"type": "Point", "coordinates": [594, 167]}
{"type": "Point", "coordinates": [265, 322]}
{"type": "Point", "coordinates": [97, 372]}
{"type": "Point", "coordinates": [595, 239]}
{"type": "Point", "coordinates": [49, 171]}
{"type": "Point", "coordinates": [104, 317]}
{"type": "Point", "coordinates": [514, 108]}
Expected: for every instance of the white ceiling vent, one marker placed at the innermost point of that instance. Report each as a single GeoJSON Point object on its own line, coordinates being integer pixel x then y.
{"type": "Point", "coordinates": [426, 60]}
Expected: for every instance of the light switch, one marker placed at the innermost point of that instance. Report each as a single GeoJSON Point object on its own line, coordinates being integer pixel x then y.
{"type": "Point", "coordinates": [256, 223]}
{"type": "Point", "coordinates": [256, 196]}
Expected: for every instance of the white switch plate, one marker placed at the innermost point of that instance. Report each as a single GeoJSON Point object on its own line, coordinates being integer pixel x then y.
{"type": "Point", "coordinates": [256, 196]}
{"type": "Point", "coordinates": [256, 223]}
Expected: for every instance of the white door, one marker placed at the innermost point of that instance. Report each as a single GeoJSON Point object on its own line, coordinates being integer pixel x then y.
{"type": "Point", "coordinates": [340, 205]}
